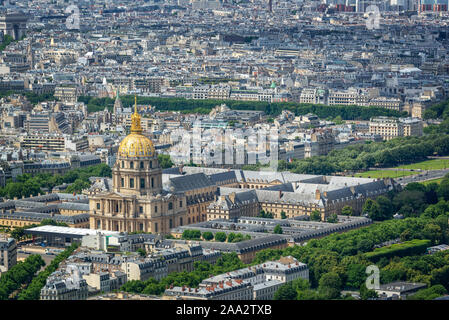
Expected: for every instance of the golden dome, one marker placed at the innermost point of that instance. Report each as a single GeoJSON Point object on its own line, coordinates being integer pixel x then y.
{"type": "Point", "coordinates": [136, 144]}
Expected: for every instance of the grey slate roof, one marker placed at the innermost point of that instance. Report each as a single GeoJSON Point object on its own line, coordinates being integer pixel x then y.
{"type": "Point", "coordinates": [223, 176]}
{"type": "Point", "coordinates": [191, 182]}
{"type": "Point", "coordinates": [245, 246]}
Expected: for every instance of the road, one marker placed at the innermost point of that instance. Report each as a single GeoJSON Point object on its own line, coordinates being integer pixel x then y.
{"type": "Point", "coordinates": [34, 250]}
{"type": "Point", "coordinates": [422, 176]}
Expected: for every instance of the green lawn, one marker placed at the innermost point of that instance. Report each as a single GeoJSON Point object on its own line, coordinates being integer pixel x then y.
{"type": "Point", "coordinates": [432, 181]}
{"type": "Point", "coordinates": [385, 174]}
{"type": "Point", "coordinates": [434, 164]}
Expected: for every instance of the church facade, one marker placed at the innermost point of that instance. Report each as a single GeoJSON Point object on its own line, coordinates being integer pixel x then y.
{"type": "Point", "coordinates": [137, 200]}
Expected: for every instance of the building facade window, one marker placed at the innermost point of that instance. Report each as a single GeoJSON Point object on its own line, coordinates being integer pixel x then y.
{"type": "Point", "coordinates": [141, 164]}
{"type": "Point", "coordinates": [170, 205]}
{"type": "Point", "coordinates": [131, 183]}
{"type": "Point", "coordinates": [142, 183]}
{"type": "Point", "coordinates": [131, 165]}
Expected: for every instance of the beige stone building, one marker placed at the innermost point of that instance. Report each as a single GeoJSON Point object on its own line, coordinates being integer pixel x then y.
{"type": "Point", "coordinates": [390, 128]}
{"type": "Point", "coordinates": [137, 201]}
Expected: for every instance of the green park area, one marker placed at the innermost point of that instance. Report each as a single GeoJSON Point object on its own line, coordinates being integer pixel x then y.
{"type": "Point", "coordinates": [435, 164]}
{"type": "Point", "coordinates": [437, 181]}
{"type": "Point", "coordinates": [385, 174]}
{"type": "Point", "coordinates": [407, 170]}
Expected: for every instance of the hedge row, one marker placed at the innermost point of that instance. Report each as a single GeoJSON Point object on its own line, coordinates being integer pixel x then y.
{"type": "Point", "coordinates": [412, 247]}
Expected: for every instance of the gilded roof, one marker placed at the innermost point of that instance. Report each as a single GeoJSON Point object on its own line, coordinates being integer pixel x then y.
{"type": "Point", "coordinates": [136, 145]}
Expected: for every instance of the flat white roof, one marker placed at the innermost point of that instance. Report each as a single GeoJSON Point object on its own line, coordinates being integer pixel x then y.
{"type": "Point", "coordinates": [74, 231]}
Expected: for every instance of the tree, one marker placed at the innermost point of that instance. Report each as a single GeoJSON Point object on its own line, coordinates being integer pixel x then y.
{"type": "Point", "coordinates": [283, 215]}
{"type": "Point", "coordinates": [371, 207]}
{"type": "Point", "coordinates": [165, 161]}
{"type": "Point", "coordinates": [429, 293]}
{"type": "Point", "coordinates": [266, 215]}
{"type": "Point", "coordinates": [220, 236]}
{"type": "Point", "coordinates": [330, 285]}
{"type": "Point", "coordinates": [414, 200]}
{"type": "Point", "coordinates": [385, 207]}
{"type": "Point", "coordinates": [191, 234]}
{"type": "Point", "coordinates": [355, 275]}
{"type": "Point", "coordinates": [366, 293]}
{"type": "Point", "coordinates": [278, 229]}
{"type": "Point", "coordinates": [208, 235]}
{"type": "Point", "coordinates": [333, 218]}
{"type": "Point", "coordinates": [433, 232]}
{"type": "Point", "coordinates": [142, 252]}
{"type": "Point", "coordinates": [315, 215]}
{"type": "Point", "coordinates": [231, 237]}
{"type": "Point", "coordinates": [286, 292]}
{"type": "Point", "coordinates": [347, 211]}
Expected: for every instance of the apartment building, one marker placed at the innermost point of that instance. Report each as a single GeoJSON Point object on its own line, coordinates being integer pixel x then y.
{"type": "Point", "coordinates": [348, 97]}
{"type": "Point", "coordinates": [389, 128]}
{"type": "Point", "coordinates": [8, 254]}
{"type": "Point", "coordinates": [66, 94]}
{"type": "Point", "coordinates": [314, 96]}
{"type": "Point", "coordinates": [259, 282]}
{"type": "Point", "coordinates": [211, 92]}
{"type": "Point", "coordinates": [386, 103]}
{"type": "Point", "coordinates": [44, 142]}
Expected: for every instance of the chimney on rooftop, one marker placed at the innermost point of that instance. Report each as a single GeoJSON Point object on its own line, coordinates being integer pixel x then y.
{"type": "Point", "coordinates": [317, 194]}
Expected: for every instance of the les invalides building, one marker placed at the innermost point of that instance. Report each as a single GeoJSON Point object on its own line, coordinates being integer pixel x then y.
{"type": "Point", "coordinates": [137, 201]}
